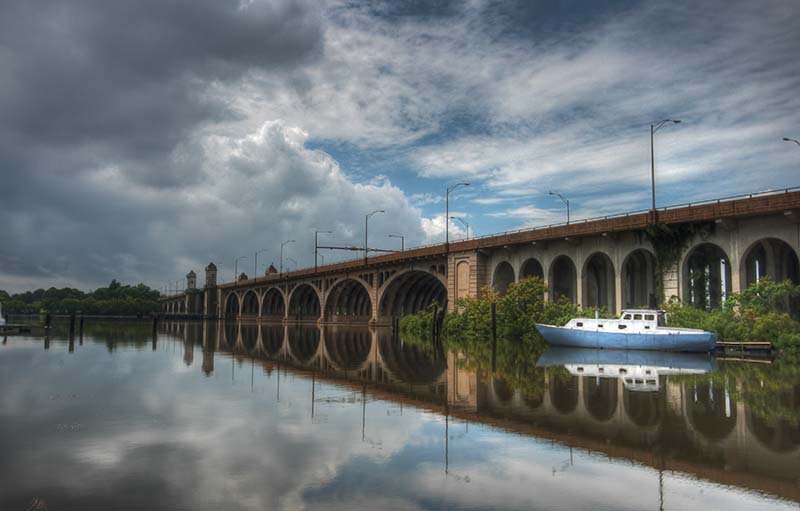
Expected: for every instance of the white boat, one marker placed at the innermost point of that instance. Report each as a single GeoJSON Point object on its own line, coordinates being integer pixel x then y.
{"type": "Point", "coordinates": [636, 329]}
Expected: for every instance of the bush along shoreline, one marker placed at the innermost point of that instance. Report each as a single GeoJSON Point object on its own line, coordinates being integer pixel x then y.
{"type": "Point", "coordinates": [765, 311]}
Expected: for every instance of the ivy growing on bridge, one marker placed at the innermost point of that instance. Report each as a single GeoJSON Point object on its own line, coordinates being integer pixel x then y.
{"type": "Point", "coordinates": [669, 242]}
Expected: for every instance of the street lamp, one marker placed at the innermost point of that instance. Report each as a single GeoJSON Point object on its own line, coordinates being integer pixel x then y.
{"type": "Point", "coordinates": [255, 263]}
{"type": "Point", "coordinates": [236, 269]}
{"type": "Point", "coordinates": [321, 256]}
{"type": "Point", "coordinates": [402, 241]}
{"type": "Point", "coordinates": [447, 210]}
{"type": "Point", "coordinates": [283, 245]}
{"type": "Point", "coordinates": [786, 139]}
{"type": "Point", "coordinates": [653, 129]}
{"type": "Point", "coordinates": [463, 222]}
{"type": "Point", "coordinates": [565, 201]}
{"type": "Point", "coordinates": [366, 232]}
{"type": "Point", "coordinates": [316, 250]}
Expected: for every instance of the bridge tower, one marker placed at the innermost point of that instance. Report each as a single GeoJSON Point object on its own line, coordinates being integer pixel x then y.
{"type": "Point", "coordinates": [210, 292]}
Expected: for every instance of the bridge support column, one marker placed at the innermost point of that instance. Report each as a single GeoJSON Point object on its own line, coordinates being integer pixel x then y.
{"type": "Point", "coordinates": [671, 282]}
{"type": "Point", "coordinates": [467, 273]}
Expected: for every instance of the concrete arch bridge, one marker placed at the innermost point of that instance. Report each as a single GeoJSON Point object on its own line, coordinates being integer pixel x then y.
{"type": "Point", "coordinates": [606, 262]}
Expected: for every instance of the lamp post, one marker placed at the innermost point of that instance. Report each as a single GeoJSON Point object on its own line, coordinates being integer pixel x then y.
{"type": "Point", "coordinates": [366, 232]}
{"type": "Point", "coordinates": [255, 263]}
{"type": "Point", "coordinates": [447, 211]}
{"type": "Point", "coordinates": [565, 201]}
{"type": "Point", "coordinates": [236, 268]}
{"type": "Point", "coordinates": [316, 250]}
{"type": "Point", "coordinates": [653, 129]}
{"type": "Point", "coordinates": [402, 241]}
{"type": "Point", "coordinates": [283, 245]}
{"type": "Point", "coordinates": [463, 222]}
{"type": "Point", "coordinates": [787, 139]}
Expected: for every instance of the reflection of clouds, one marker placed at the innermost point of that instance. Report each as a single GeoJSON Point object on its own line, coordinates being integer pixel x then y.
{"type": "Point", "coordinates": [155, 435]}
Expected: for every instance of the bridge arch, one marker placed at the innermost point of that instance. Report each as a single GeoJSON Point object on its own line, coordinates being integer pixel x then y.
{"type": "Point", "coordinates": [230, 334]}
{"type": "Point", "coordinates": [347, 349]}
{"type": "Point", "coordinates": [249, 336]}
{"type": "Point", "coordinates": [501, 390]}
{"type": "Point", "coordinates": [775, 258]}
{"type": "Point", "coordinates": [639, 279]}
{"type": "Point", "coordinates": [348, 301]}
{"type": "Point", "coordinates": [303, 343]}
{"type": "Point", "coordinates": [563, 279]}
{"type": "Point", "coordinates": [710, 410]}
{"type": "Point", "coordinates": [563, 391]}
{"type": "Point", "coordinates": [250, 305]}
{"type": "Point", "coordinates": [706, 274]}
{"type": "Point", "coordinates": [232, 306]}
{"type": "Point", "coordinates": [411, 291]}
{"type": "Point", "coordinates": [597, 279]}
{"type": "Point", "coordinates": [304, 303]}
{"type": "Point", "coordinates": [408, 363]}
{"type": "Point", "coordinates": [272, 337]}
{"type": "Point", "coordinates": [531, 268]}
{"type": "Point", "coordinates": [502, 277]}
{"type": "Point", "coordinates": [600, 397]}
{"type": "Point", "coordinates": [645, 409]}
{"type": "Point", "coordinates": [273, 304]}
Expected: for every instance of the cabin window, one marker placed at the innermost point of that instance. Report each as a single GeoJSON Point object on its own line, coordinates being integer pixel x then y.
{"type": "Point", "coordinates": [639, 381]}
{"type": "Point", "coordinates": [580, 369]}
{"type": "Point", "coordinates": [623, 371]}
{"type": "Point", "coordinates": [601, 369]}
{"type": "Point", "coordinates": [651, 382]}
{"type": "Point", "coordinates": [622, 327]}
{"type": "Point", "coordinates": [647, 327]}
{"type": "Point", "coordinates": [579, 323]}
{"type": "Point", "coordinates": [662, 320]}
{"type": "Point", "coordinates": [628, 380]}
{"type": "Point", "coordinates": [626, 316]}
{"type": "Point", "coordinates": [649, 317]}
{"type": "Point", "coordinates": [647, 372]}
{"type": "Point", "coordinates": [637, 316]}
{"type": "Point", "coordinates": [599, 326]}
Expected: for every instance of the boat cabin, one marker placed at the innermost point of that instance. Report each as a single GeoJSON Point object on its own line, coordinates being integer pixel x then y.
{"type": "Point", "coordinates": [631, 320]}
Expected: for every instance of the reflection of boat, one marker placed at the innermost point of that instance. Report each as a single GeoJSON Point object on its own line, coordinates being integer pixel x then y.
{"type": "Point", "coordinates": [635, 330]}
{"type": "Point", "coordinates": [2, 319]}
{"type": "Point", "coordinates": [638, 370]}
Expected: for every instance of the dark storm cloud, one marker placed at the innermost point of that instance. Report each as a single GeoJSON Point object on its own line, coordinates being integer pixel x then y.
{"type": "Point", "coordinates": [126, 81]}
{"type": "Point", "coordinates": [88, 85]}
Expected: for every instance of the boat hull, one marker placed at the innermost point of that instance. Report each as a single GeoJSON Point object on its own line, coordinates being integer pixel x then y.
{"type": "Point", "coordinates": [685, 341]}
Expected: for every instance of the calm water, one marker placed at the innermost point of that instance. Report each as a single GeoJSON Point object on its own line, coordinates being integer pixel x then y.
{"type": "Point", "coordinates": [228, 416]}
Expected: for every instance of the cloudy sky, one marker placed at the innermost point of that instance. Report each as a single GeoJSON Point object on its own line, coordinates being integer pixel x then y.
{"type": "Point", "coordinates": [139, 140]}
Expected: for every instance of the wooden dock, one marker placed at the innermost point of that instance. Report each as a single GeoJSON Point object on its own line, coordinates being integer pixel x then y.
{"type": "Point", "coordinates": [751, 347]}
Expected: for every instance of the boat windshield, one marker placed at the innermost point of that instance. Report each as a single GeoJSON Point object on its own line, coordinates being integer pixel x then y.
{"type": "Point", "coordinates": [662, 319]}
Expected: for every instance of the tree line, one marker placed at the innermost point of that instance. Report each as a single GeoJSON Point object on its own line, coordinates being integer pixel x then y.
{"type": "Point", "coordinates": [115, 299]}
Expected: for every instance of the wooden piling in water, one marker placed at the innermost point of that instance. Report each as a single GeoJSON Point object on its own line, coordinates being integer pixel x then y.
{"type": "Point", "coordinates": [494, 336]}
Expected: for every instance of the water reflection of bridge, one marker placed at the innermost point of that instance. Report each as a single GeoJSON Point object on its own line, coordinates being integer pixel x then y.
{"type": "Point", "coordinates": [691, 425]}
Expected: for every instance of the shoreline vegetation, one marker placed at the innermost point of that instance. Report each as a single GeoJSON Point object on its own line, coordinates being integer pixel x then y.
{"type": "Point", "coordinates": [115, 300]}
{"type": "Point", "coordinates": [758, 313]}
